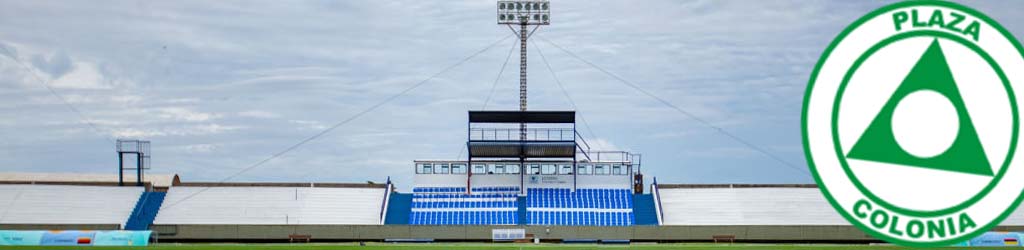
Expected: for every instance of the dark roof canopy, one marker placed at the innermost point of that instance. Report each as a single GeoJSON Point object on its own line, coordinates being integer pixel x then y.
{"type": "Point", "coordinates": [522, 116]}
{"type": "Point", "coordinates": [529, 149]}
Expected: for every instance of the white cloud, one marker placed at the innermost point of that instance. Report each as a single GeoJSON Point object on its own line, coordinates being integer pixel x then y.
{"type": "Point", "coordinates": [137, 133]}
{"type": "Point", "coordinates": [184, 114]}
{"type": "Point", "coordinates": [200, 148]}
{"type": "Point", "coordinates": [187, 130]}
{"type": "Point", "coordinates": [59, 70]}
{"type": "Point", "coordinates": [257, 114]}
{"type": "Point", "coordinates": [307, 124]}
{"type": "Point", "coordinates": [56, 66]}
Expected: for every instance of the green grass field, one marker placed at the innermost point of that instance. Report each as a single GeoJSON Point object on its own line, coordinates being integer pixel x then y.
{"type": "Point", "coordinates": [474, 246]}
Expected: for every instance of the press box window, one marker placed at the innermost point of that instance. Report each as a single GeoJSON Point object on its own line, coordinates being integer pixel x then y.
{"type": "Point", "coordinates": [425, 168]}
{"type": "Point", "coordinates": [441, 169]}
{"type": "Point", "coordinates": [565, 169]}
{"type": "Point", "coordinates": [534, 169]}
{"type": "Point", "coordinates": [548, 169]}
{"type": "Point", "coordinates": [458, 168]}
{"type": "Point", "coordinates": [498, 169]}
{"type": "Point", "coordinates": [479, 169]}
{"type": "Point", "coordinates": [583, 169]}
{"type": "Point", "coordinates": [601, 169]}
{"type": "Point", "coordinates": [512, 169]}
{"type": "Point", "coordinates": [618, 170]}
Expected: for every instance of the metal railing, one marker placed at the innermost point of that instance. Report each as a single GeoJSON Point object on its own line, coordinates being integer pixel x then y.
{"type": "Point", "coordinates": [657, 197]}
{"type": "Point", "coordinates": [384, 204]}
{"type": "Point", "coordinates": [612, 156]}
{"type": "Point", "coordinates": [512, 134]}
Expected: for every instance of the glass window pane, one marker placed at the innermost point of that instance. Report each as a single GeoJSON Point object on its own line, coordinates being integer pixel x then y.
{"type": "Point", "coordinates": [548, 169]}
{"type": "Point", "coordinates": [512, 169]}
{"type": "Point", "coordinates": [428, 168]}
{"type": "Point", "coordinates": [479, 169]}
{"type": "Point", "coordinates": [441, 169]}
{"type": "Point", "coordinates": [565, 169]}
{"type": "Point", "coordinates": [582, 169]}
{"type": "Point", "coordinates": [534, 169]}
{"type": "Point", "coordinates": [617, 170]}
{"type": "Point", "coordinates": [601, 169]}
{"type": "Point", "coordinates": [458, 168]}
{"type": "Point", "coordinates": [499, 169]}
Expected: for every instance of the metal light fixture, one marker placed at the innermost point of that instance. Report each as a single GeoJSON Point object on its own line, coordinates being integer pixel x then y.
{"type": "Point", "coordinates": [533, 12]}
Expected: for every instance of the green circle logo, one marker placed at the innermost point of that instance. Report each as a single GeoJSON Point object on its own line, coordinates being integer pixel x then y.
{"type": "Point", "coordinates": [911, 123]}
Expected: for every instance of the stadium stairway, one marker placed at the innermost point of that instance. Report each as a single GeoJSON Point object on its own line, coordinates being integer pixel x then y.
{"type": "Point", "coordinates": [643, 209]}
{"type": "Point", "coordinates": [145, 211]}
{"type": "Point", "coordinates": [521, 213]}
{"type": "Point", "coordinates": [399, 207]}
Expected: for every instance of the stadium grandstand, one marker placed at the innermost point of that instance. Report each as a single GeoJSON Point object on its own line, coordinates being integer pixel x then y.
{"type": "Point", "coordinates": [272, 204]}
{"type": "Point", "coordinates": [92, 207]}
{"type": "Point", "coordinates": [78, 201]}
{"type": "Point", "coordinates": [731, 205]}
{"type": "Point", "coordinates": [539, 180]}
{"type": "Point", "coordinates": [261, 212]}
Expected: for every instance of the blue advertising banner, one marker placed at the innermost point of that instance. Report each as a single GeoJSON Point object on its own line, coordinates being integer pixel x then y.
{"type": "Point", "coordinates": [994, 239]}
{"type": "Point", "coordinates": [74, 238]}
{"type": "Point", "coordinates": [121, 238]}
{"type": "Point", "coordinates": [20, 238]}
{"type": "Point", "coordinates": [67, 238]}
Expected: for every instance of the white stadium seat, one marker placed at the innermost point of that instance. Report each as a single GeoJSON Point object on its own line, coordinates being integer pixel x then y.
{"type": "Point", "coordinates": [747, 206]}
{"type": "Point", "coordinates": [66, 204]}
{"type": "Point", "coordinates": [271, 206]}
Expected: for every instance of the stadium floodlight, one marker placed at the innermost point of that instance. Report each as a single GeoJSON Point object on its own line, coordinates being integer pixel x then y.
{"type": "Point", "coordinates": [532, 12]}
{"type": "Point", "coordinates": [523, 13]}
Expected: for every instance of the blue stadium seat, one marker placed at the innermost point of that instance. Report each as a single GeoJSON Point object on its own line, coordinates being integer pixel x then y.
{"type": "Point", "coordinates": [585, 207]}
{"type": "Point", "coordinates": [452, 206]}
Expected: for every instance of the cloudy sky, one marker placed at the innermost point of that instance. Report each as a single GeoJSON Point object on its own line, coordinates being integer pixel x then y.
{"type": "Point", "coordinates": [218, 86]}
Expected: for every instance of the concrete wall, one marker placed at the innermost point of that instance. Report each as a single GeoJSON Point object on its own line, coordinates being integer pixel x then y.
{"type": "Point", "coordinates": [483, 233]}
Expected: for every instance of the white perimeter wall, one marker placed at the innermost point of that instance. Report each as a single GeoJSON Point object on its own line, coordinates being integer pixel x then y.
{"type": "Point", "coordinates": [604, 181]}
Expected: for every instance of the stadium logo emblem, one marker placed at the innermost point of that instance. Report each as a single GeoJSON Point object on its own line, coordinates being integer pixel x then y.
{"type": "Point", "coordinates": [911, 123]}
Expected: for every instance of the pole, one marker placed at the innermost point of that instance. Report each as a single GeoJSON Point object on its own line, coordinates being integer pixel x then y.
{"type": "Point", "coordinates": [138, 169]}
{"type": "Point", "coordinates": [120, 167]}
{"type": "Point", "coordinates": [522, 103]}
{"type": "Point", "coordinates": [522, 76]}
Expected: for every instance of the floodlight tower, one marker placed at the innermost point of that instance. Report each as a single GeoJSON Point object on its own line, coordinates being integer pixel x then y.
{"type": "Point", "coordinates": [524, 13]}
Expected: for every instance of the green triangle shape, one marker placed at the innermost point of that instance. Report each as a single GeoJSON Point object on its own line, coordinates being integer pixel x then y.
{"type": "Point", "coordinates": [879, 144]}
